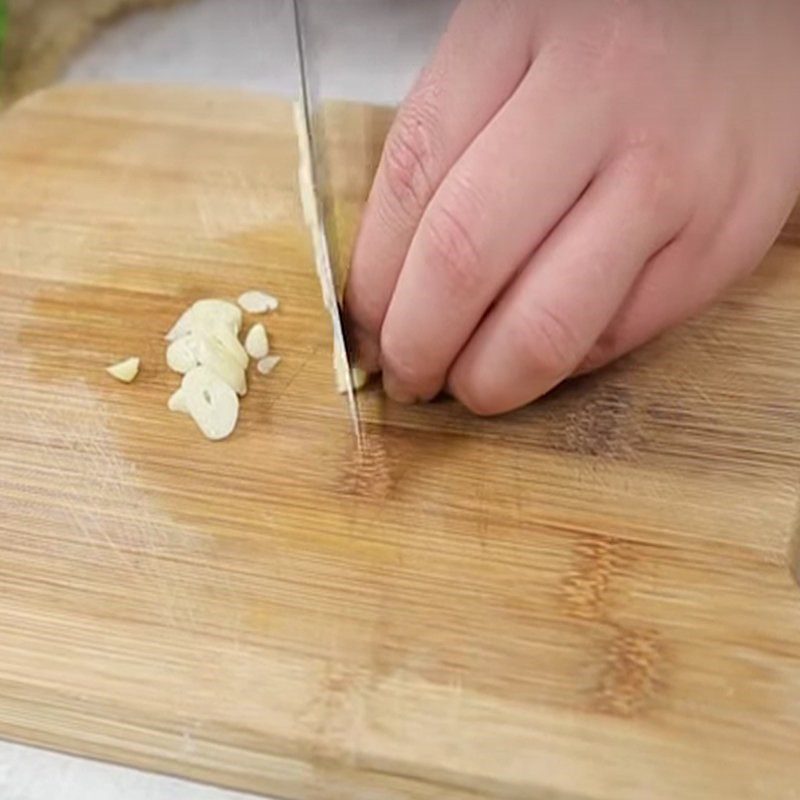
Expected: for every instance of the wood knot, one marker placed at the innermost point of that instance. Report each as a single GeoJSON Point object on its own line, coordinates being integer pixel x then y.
{"type": "Point", "coordinates": [586, 589]}
{"type": "Point", "coordinates": [631, 675]}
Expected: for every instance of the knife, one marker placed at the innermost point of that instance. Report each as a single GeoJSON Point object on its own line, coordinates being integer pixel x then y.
{"type": "Point", "coordinates": [312, 176]}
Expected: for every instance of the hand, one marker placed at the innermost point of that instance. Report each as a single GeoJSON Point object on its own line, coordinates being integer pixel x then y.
{"type": "Point", "coordinates": [567, 179]}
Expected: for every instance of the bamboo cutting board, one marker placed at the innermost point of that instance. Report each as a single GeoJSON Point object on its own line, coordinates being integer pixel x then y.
{"type": "Point", "coordinates": [589, 600]}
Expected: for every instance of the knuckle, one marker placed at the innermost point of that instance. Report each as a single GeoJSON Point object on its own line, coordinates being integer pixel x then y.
{"type": "Point", "coordinates": [548, 342]}
{"type": "Point", "coordinates": [655, 180]}
{"type": "Point", "coordinates": [450, 244]}
{"type": "Point", "coordinates": [409, 161]}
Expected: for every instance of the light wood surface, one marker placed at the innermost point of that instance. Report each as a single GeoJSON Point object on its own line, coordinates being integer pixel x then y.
{"type": "Point", "coordinates": [588, 600]}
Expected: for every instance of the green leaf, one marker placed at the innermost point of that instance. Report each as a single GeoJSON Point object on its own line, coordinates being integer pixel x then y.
{"type": "Point", "coordinates": [3, 24]}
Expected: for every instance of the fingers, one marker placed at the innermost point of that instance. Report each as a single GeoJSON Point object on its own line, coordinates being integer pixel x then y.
{"type": "Point", "coordinates": [686, 277]}
{"type": "Point", "coordinates": [496, 206]}
{"type": "Point", "coordinates": [559, 305]}
{"type": "Point", "coordinates": [482, 58]}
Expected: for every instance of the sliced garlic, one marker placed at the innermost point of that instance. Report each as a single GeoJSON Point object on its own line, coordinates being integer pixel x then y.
{"type": "Point", "coordinates": [126, 371]}
{"type": "Point", "coordinates": [210, 313]}
{"type": "Point", "coordinates": [177, 402]}
{"type": "Point", "coordinates": [213, 351]}
{"type": "Point", "coordinates": [211, 402]}
{"type": "Point", "coordinates": [257, 343]}
{"type": "Point", "coordinates": [230, 343]}
{"type": "Point", "coordinates": [211, 354]}
{"type": "Point", "coordinates": [205, 314]}
{"type": "Point", "coordinates": [182, 354]}
{"type": "Point", "coordinates": [256, 302]}
{"type": "Point", "coordinates": [267, 364]}
{"type": "Point", "coordinates": [358, 376]}
{"type": "Point", "coordinates": [182, 327]}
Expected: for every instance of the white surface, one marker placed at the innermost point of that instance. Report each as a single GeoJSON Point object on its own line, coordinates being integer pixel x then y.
{"type": "Point", "coordinates": [371, 51]}
{"type": "Point", "coordinates": [28, 774]}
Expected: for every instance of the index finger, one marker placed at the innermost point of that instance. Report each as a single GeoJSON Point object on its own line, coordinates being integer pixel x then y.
{"type": "Point", "coordinates": [483, 56]}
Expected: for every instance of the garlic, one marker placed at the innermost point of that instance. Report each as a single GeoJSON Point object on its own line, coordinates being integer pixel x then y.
{"type": "Point", "coordinates": [126, 371]}
{"type": "Point", "coordinates": [177, 402]}
{"type": "Point", "coordinates": [218, 349]}
{"type": "Point", "coordinates": [204, 347]}
{"type": "Point", "coordinates": [267, 364]}
{"type": "Point", "coordinates": [256, 302]}
{"type": "Point", "coordinates": [204, 314]}
{"type": "Point", "coordinates": [182, 354]}
{"type": "Point", "coordinates": [229, 341]}
{"type": "Point", "coordinates": [359, 378]}
{"type": "Point", "coordinates": [257, 344]}
{"type": "Point", "coordinates": [211, 403]}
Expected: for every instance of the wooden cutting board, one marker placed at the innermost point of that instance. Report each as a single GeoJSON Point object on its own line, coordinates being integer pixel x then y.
{"type": "Point", "coordinates": [589, 600]}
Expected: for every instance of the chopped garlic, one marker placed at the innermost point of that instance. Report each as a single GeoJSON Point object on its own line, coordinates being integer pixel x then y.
{"type": "Point", "coordinates": [204, 314]}
{"type": "Point", "coordinates": [230, 343]}
{"type": "Point", "coordinates": [257, 343]}
{"type": "Point", "coordinates": [126, 371]}
{"type": "Point", "coordinates": [182, 354]}
{"type": "Point", "coordinates": [358, 376]}
{"type": "Point", "coordinates": [177, 403]}
{"type": "Point", "coordinates": [211, 402]}
{"type": "Point", "coordinates": [267, 364]}
{"type": "Point", "coordinates": [218, 350]}
{"type": "Point", "coordinates": [255, 302]}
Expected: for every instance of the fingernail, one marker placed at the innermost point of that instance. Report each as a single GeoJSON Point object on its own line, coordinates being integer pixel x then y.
{"type": "Point", "coordinates": [396, 390]}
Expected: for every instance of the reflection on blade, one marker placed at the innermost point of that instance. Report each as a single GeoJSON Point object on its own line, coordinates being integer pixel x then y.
{"type": "Point", "coordinates": [312, 175]}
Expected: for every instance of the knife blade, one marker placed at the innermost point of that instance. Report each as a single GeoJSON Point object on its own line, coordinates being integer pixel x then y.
{"type": "Point", "coordinates": [313, 174]}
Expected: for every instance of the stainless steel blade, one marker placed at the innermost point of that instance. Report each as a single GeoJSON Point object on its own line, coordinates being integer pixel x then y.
{"type": "Point", "coordinates": [318, 219]}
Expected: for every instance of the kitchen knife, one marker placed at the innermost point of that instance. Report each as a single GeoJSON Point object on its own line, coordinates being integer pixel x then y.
{"type": "Point", "coordinates": [313, 176]}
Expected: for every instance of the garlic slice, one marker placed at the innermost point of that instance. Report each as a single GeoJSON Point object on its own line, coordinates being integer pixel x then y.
{"type": "Point", "coordinates": [125, 371]}
{"type": "Point", "coordinates": [182, 354]}
{"type": "Point", "coordinates": [255, 302]}
{"type": "Point", "coordinates": [267, 364]}
{"type": "Point", "coordinates": [205, 314]}
{"type": "Point", "coordinates": [359, 377]}
{"type": "Point", "coordinates": [230, 343]}
{"type": "Point", "coordinates": [177, 402]}
{"type": "Point", "coordinates": [213, 350]}
{"type": "Point", "coordinates": [257, 343]}
{"type": "Point", "coordinates": [210, 313]}
{"type": "Point", "coordinates": [212, 404]}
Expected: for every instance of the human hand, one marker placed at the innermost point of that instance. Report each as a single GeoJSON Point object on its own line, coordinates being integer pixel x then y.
{"type": "Point", "coordinates": [568, 179]}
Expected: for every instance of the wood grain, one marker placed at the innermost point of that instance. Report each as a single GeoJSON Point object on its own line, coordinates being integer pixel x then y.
{"type": "Point", "coordinates": [589, 600]}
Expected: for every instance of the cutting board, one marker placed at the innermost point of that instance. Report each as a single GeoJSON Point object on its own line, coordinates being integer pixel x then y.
{"type": "Point", "coordinates": [591, 599]}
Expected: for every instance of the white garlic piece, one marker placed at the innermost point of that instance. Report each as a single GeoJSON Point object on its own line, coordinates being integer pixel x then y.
{"type": "Point", "coordinates": [126, 371]}
{"type": "Point", "coordinates": [255, 302]}
{"type": "Point", "coordinates": [212, 403]}
{"type": "Point", "coordinates": [205, 314]}
{"type": "Point", "coordinates": [267, 364]}
{"type": "Point", "coordinates": [257, 343]}
{"type": "Point", "coordinates": [177, 402]}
